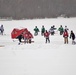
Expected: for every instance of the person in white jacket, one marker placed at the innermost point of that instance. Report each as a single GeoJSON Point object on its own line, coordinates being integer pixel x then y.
{"type": "Point", "coordinates": [52, 30]}
{"type": "Point", "coordinates": [66, 28]}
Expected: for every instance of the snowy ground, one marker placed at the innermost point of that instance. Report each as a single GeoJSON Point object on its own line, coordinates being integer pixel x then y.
{"type": "Point", "coordinates": [38, 58]}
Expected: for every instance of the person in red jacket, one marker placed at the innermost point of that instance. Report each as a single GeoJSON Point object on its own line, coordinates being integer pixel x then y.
{"type": "Point", "coordinates": [65, 35]}
{"type": "Point", "coordinates": [46, 35]}
{"type": "Point", "coordinates": [30, 36]}
{"type": "Point", "coordinates": [27, 37]}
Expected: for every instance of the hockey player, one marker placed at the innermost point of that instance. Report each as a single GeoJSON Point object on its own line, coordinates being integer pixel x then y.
{"type": "Point", "coordinates": [61, 30]}
{"type": "Point", "coordinates": [42, 30]}
{"type": "Point", "coordinates": [52, 30]}
{"type": "Point", "coordinates": [36, 31]}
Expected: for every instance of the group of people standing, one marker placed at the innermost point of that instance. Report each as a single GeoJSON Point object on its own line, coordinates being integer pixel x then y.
{"type": "Point", "coordinates": [63, 31]}
{"type": "Point", "coordinates": [44, 33]}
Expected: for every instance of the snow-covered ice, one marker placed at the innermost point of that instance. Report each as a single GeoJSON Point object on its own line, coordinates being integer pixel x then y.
{"type": "Point", "coordinates": [38, 58]}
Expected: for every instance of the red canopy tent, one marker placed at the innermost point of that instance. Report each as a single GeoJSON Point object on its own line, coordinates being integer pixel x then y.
{"type": "Point", "coordinates": [16, 32]}
{"type": "Point", "coordinates": [25, 33]}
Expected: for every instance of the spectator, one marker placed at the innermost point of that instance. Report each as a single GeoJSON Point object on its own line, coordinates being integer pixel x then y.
{"type": "Point", "coordinates": [72, 35]}
{"type": "Point", "coordinates": [65, 35]}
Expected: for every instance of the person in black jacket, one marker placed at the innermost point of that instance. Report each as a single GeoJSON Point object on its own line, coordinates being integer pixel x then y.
{"type": "Point", "coordinates": [72, 35]}
{"type": "Point", "coordinates": [19, 38]}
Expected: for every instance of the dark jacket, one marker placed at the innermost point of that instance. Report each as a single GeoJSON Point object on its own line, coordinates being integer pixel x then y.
{"type": "Point", "coordinates": [72, 35]}
{"type": "Point", "coordinates": [19, 38]}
